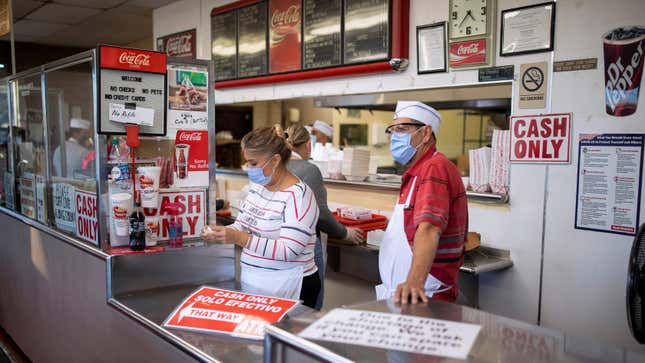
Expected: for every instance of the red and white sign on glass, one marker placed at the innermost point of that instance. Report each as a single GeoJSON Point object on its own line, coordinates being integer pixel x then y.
{"type": "Point", "coordinates": [132, 59]}
{"type": "Point", "coordinates": [541, 138]}
{"type": "Point", "coordinates": [468, 53]}
{"type": "Point", "coordinates": [285, 33]}
{"type": "Point", "coordinates": [191, 158]}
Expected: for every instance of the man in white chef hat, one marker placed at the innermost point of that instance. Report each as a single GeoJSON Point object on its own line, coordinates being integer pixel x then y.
{"type": "Point", "coordinates": [75, 148]}
{"type": "Point", "coordinates": [423, 246]}
{"type": "Point", "coordinates": [323, 132]}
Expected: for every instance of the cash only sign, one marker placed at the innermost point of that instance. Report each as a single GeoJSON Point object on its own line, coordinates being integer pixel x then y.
{"type": "Point", "coordinates": [212, 310]}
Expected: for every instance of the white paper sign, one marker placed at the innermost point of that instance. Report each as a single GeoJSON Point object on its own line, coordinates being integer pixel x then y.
{"type": "Point", "coordinates": [610, 170]}
{"type": "Point", "coordinates": [64, 207]}
{"type": "Point", "coordinates": [396, 332]}
{"type": "Point", "coordinates": [41, 214]}
{"type": "Point", "coordinates": [139, 115]}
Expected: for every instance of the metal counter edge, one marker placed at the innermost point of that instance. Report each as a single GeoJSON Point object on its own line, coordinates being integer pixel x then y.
{"type": "Point", "coordinates": [272, 331]}
{"type": "Point", "coordinates": [83, 246]}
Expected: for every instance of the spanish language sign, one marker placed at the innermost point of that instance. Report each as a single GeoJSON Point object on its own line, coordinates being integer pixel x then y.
{"type": "Point", "coordinates": [213, 310]}
{"type": "Point", "coordinates": [610, 170]}
{"type": "Point", "coordinates": [541, 138]}
{"type": "Point", "coordinates": [396, 332]}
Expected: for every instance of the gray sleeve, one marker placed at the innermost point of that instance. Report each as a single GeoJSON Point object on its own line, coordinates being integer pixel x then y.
{"type": "Point", "coordinates": [326, 221]}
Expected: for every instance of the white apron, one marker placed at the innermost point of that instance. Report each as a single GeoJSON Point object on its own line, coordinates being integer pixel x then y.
{"type": "Point", "coordinates": [395, 256]}
{"type": "Point", "coordinates": [280, 283]}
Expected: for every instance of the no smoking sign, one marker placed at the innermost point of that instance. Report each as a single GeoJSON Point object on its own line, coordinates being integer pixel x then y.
{"type": "Point", "coordinates": [533, 85]}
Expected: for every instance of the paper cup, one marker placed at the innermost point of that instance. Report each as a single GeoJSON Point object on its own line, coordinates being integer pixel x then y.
{"type": "Point", "coordinates": [120, 207]}
{"type": "Point", "coordinates": [152, 230]}
{"type": "Point", "coordinates": [148, 180]}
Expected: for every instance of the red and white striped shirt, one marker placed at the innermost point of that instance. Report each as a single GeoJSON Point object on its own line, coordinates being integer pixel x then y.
{"type": "Point", "coordinates": [282, 225]}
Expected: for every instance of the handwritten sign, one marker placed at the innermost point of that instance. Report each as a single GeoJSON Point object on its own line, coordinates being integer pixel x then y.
{"type": "Point", "coordinates": [87, 225]}
{"type": "Point", "coordinates": [541, 138]}
{"type": "Point", "coordinates": [136, 115]}
{"type": "Point", "coordinates": [213, 310]}
{"type": "Point", "coordinates": [395, 332]}
{"type": "Point", "coordinates": [187, 99]}
{"type": "Point", "coordinates": [64, 207]}
{"type": "Point", "coordinates": [192, 212]}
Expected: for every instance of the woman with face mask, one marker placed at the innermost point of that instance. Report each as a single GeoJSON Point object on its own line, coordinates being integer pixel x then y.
{"type": "Point", "coordinates": [276, 225]}
{"type": "Point", "coordinates": [301, 145]}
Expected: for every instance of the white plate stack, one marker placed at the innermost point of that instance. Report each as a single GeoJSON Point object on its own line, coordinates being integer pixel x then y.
{"type": "Point", "coordinates": [356, 163]}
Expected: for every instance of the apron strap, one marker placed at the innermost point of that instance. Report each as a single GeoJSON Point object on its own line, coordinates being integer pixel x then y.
{"type": "Point", "coordinates": [409, 198]}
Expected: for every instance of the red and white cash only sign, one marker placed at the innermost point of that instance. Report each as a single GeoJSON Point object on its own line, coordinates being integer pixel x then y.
{"type": "Point", "coordinates": [87, 221]}
{"type": "Point", "coordinates": [213, 310]}
{"type": "Point", "coordinates": [541, 138]}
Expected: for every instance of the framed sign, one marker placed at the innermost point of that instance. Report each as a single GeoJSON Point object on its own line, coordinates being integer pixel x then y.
{"type": "Point", "coordinates": [528, 29]}
{"type": "Point", "coordinates": [366, 43]}
{"type": "Point", "coordinates": [251, 40]}
{"type": "Point", "coordinates": [224, 45]}
{"type": "Point", "coordinates": [180, 44]}
{"type": "Point", "coordinates": [285, 34]}
{"type": "Point", "coordinates": [469, 53]}
{"type": "Point", "coordinates": [431, 48]}
{"type": "Point", "coordinates": [132, 89]}
{"type": "Point", "coordinates": [322, 33]}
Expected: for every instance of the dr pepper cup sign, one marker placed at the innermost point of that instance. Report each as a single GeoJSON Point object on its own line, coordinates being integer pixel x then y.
{"type": "Point", "coordinates": [285, 34]}
{"type": "Point", "coordinates": [623, 53]}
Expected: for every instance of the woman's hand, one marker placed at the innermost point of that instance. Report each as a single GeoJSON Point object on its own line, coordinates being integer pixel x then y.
{"type": "Point", "coordinates": [220, 234]}
{"type": "Point", "coordinates": [354, 235]}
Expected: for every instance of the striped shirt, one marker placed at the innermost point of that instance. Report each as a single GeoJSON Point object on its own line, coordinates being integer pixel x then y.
{"type": "Point", "coordinates": [439, 198]}
{"type": "Point", "coordinates": [282, 225]}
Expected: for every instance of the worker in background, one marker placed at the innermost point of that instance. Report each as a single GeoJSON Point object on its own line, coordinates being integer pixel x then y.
{"type": "Point", "coordinates": [423, 246]}
{"type": "Point", "coordinates": [301, 145]}
{"type": "Point", "coordinates": [323, 132]}
{"type": "Point", "coordinates": [76, 148]}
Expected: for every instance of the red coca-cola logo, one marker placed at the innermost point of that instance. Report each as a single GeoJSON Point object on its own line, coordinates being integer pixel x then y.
{"type": "Point", "coordinates": [469, 49]}
{"type": "Point", "coordinates": [180, 45]}
{"type": "Point", "coordinates": [120, 213]}
{"type": "Point", "coordinates": [191, 136]}
{"type": "Point", "coordinates": [288, 18]}
{"type": "Point", "coordinates": [134, 59]}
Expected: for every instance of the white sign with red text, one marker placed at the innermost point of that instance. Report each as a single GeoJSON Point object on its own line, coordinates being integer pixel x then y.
{"type": "Point", "coordinates": [191, 159]}
{"type": "Point", "coordinates": [192, 212]}
{"type": "Point", "coordinates": [541, 138]}
{"type": "Point", "coordinates": [87, 222]}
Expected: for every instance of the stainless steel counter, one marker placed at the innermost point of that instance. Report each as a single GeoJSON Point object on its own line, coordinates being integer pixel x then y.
{"type": "Point", "coordinates": [500, 340]}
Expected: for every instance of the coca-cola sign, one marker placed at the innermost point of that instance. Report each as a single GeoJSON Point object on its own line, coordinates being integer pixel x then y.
{"type": "Point", "coordinates": [289, 17]}
{"type": "Point", "coordinates": [191, 136]}
{"type": "Point", "coordinates": [179, 44]}
{"type": "Point", "coordinates": [471, 52]}
{"type": "Point", "coordinates": [285, 35]}
{"type": "Point", "coordinates": [132, 59]}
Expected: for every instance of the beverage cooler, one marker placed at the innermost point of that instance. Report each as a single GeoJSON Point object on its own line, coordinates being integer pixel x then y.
{"type": "Point", "coordinates": [68, 162]}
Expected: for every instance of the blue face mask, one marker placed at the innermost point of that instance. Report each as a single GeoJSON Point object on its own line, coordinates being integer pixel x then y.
{"type": "Point", "coordinates": [400, 147]}
{"type": "Point", "coordinates": [256, 175]}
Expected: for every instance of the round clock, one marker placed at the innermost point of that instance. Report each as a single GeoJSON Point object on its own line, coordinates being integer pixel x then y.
{"type": "Point", "coordinates": [468, 18]}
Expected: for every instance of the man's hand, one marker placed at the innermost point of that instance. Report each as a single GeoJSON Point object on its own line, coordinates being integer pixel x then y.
{"type": "Point", "coordinates": [413, 289]}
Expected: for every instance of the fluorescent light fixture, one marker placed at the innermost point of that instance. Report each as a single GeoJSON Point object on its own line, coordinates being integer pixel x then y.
{"type": "Point", "coordinates": [2, 66]}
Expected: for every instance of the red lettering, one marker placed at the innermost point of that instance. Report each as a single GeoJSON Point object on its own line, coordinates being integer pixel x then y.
{"type": "Point", "coordinates": [545, 126]}
{"type": "Point", "coordinates": [181, 200]}
{"type": "Point", "coordinates": [194, 203]}
{"type": "Point", "coordinates": [79, 204]}
{"type": "Point", "coordinates": [557, 144]}
{"type": "Point", "coordinates": [520, 149]}
{"type": "Point", "coordinates": [516, 129]}
{"type": "Point", "coordinates": [545, 150]}
{"type": "Point", "coordinates": [164, 201]}
{"type": "Point", "coordinates": [560, 126]}
{"type": "Point", "coordinates": [534, 149]}
{"type": "Point", "coordinates": [192, 222]}
{"type": "Point", "coordinates": [164, 228]}
{"type": "Point", "coordinates": [533, 129]}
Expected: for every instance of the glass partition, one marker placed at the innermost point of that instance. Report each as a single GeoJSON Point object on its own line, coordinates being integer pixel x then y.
{"type": "Point", "coordinates": [29, 147]}
{"type": "Point", "coordinates": [6, 178]}
{"type": "Point", "coordinates": [71, 155]}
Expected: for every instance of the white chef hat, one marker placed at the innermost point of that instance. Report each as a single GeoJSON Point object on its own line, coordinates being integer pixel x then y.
{"type": "Point", "coordinates": [420, 112]}
{"type": "Point", "coordinates": [79, 123]}
{"type": "Point", "coordinates": [323, 127]}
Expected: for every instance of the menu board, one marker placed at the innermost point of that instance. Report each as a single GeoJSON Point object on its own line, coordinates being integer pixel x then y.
{"type": "Point", "coordinates": [224, 47]}
{"type": "Point", "coordinates": [322, 35]}
{"type": "Point", "coordinates": [285, 34]}
{"type": "Point", "coordinates": [252, 28]}
{"type": "Point", "coordinates": [367, 30]}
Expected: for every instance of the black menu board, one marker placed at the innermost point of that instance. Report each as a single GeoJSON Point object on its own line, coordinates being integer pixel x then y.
{"type": "Point", "coordinates": [224, 47]}
{"type": "Point", "coordinates": [252, 40]}
{"type": "Point", "coordinates": [367, 30]}
{"type": "Point", "coordinates": [322, 36]}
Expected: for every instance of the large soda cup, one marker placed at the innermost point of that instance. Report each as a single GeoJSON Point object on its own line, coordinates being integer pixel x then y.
{"type": "Point", "coordinates": [181, 160]}
{"type": "Point", "coordinates": [623, 53]}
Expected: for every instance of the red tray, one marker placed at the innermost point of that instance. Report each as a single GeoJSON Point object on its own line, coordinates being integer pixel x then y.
{"type": "Point", "coordinates": [125, 250]}
{"type": "Point", "coordinates": [376, 222]}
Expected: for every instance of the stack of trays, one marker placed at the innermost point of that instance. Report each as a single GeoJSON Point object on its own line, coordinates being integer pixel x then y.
{"type": "Point", "coordinates": [376, 222]}
{"type": "Point", "coordinates": [356, 163]}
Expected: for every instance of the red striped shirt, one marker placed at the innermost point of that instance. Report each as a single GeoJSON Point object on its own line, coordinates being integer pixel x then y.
{"type": "Point", "coordinates": [439, 198]}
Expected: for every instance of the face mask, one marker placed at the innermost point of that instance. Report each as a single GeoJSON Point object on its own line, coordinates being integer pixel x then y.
{"type": "Point", "coordinates": [400, 147]}
{"type": "Point", "coordinates": [256, 175]}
